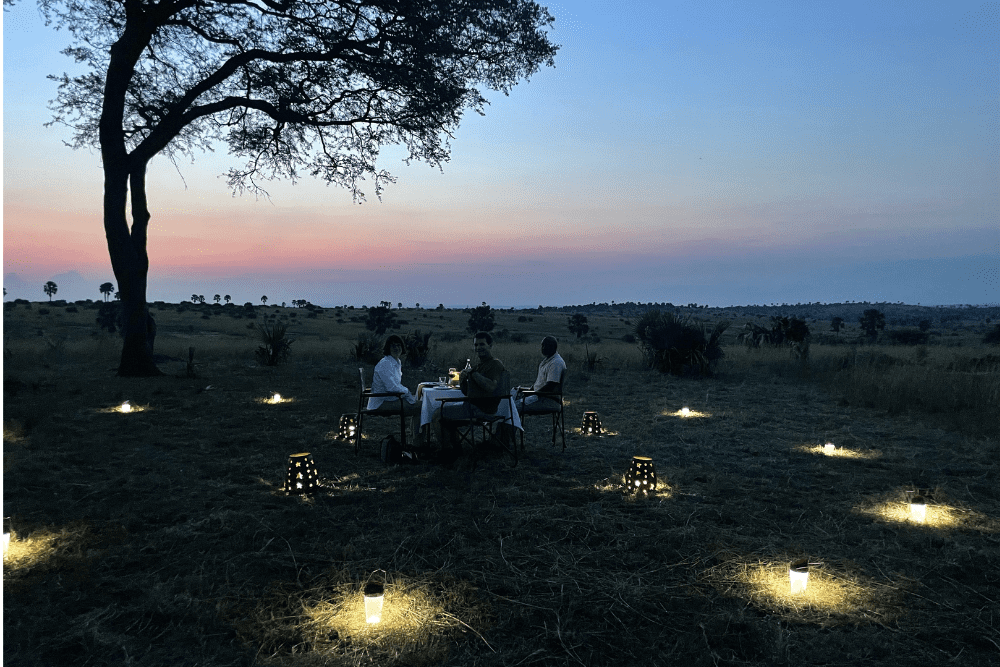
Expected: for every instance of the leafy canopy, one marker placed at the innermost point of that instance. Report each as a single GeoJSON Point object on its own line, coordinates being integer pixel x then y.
{"type": "Point", "coordinates": [292, 86]}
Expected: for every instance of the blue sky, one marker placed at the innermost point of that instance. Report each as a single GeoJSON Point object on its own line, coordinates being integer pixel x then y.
{"type": "Point", "coordinates": [711, 152]}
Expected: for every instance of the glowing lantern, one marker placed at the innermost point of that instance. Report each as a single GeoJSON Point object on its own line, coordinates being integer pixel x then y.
{"type": "Point", "coordinates": [918, 509]}
{"type": "Point", "coordinates": [591, 423]}
{"type": "Point", "coordinates": [798, 575]}
{"type": "Point", "coordinates": [301, 478]}
{"type": "Point", "coordinates": [829, 448]}
{"type": "Point", "coordinates": [126, 407]}
{"type": "Point", "coordinates": [454, 377]}
{"type": "Point", "coordinates": [641, 477]}
{"type": "Point", "coordinates": [7, 530]}
{"type": "Point", "coordinates": [348, 425]}
{"type": "Point", "coordinates": [685, 412]}
{"type": "Point", "coordinates": [276, 398]}
{"type": "Point", "coordinates": [374, 595]}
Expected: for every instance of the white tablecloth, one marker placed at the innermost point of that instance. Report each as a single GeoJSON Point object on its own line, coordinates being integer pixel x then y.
{"type": "Point", "coordinates": [429, 404]}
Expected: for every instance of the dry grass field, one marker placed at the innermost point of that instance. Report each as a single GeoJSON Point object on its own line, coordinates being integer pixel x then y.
{"type": "Point", "coordinates": [163, 536]}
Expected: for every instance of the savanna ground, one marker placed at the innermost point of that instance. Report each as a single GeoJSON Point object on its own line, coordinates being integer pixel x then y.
{"type": "Point", "coordinates": [162, 537]}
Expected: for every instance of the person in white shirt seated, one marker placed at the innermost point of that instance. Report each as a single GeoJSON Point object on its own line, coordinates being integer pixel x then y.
{"type": "Point", "coordinates": [389, 378]}
{"type": "Point", "coordinates": [550, 371]}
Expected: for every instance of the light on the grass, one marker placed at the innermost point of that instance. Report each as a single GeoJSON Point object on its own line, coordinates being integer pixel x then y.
{"type": "Point", "coordinates": [641, 477]}
{"type": "Point", "coordinates": [798, 576]}
{"type": "Point", "coordinates": [276, 398]}
{"type": "Point", "coordinates": [685, 412]}
{"type": "Point", "coordinates": [591, 423]}
{"type": "Point", "coordinates": [374, 595]}
{"type": "Point", "coordinates": [301, 478]}
{"type": "Point", "coordinates": [829, 448]}
{"type": "Point", "coordinates": [918, 509]}
{"type": "Point", "coordinates": [126, 407]}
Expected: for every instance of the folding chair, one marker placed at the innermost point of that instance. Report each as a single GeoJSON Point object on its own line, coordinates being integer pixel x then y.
{"type": "Point", "coordinates": [558, 421]}
{"type": "Point", "coordinates": [466, 427]}
{"type": "Point", "coordinates": [363, 411]}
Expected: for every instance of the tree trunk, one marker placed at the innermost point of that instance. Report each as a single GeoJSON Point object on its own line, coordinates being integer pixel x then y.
{"type": "Point", "coordinates": [131, 266]}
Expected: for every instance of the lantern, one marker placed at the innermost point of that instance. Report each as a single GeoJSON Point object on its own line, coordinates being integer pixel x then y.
{"type": "Point", "coordinates": [829, 448]}
{"type": "Point", "coordinates": [7, 530]}
{"type": "Point", "coordinates": [454, 377]}
{"type": "Point", "coordinates": [591, 423]}
{"type": "Point", "coordinates": [641, 477]}
{"type": "Point", "coordinates": [798, 575]}
{"type": "Point", "coordinates": [126, 407]}
{"type": "Point", "coordinates": [348, 425]}
{"type": "Point", "coordinates": [276, 398]}
{"type": "Point", "coordinates": [301, 478]}
{"type": "Point", "coordinates": [918, 509]}
{"type": "Point", "coordinates": [685, 412]}
{"type": "Point", "coordinates": [374, 593]}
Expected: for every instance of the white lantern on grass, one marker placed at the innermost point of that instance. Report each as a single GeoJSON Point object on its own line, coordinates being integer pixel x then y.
{"type": "Point", "coordinates": [374, 593]}
{"type": "Point", "coordinates": [798, 575]}
{"type": "Point", "coordinates": [918, 509]}
{"type": "Point", "coordinates": [126, 407]}
{"type": "Point", "coordinates": [685, 412]}
{"type": "Point", "coordinates": [829, 448]}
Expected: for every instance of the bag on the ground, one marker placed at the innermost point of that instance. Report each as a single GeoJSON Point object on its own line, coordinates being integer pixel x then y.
{"type": "Point", "coordinates": [392, 451]}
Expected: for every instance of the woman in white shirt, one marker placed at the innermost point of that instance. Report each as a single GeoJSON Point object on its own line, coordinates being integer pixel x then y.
{"type": "Point", "coordinates": [389, 378]}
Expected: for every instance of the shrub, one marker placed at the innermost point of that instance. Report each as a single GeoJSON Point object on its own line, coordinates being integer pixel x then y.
{"type": "Point", "coordinates": [481, 318]}
{"type": "Point", "coordinates": [380, 319]}
{"type": "Point", "coordinates": [109, 317]}
{"type": "Point", "coordinates": [417, 348]}
{"type": "Point", "coordinates": [992, 337]}
{"type": "Point", "coordinates": [676, 345]}
{"type": "Point", "coordinates": [522, 318]}
{"type": "Point", "coordinates": [368, 347]}
{"type": "Point", "coordinates": [275, 343]}
{"type": "Point", "coordinates": [43, 311]}
{"type": "Point", "coordinates": [577, 324]}
{"type": "Point", "coordinates": [71, 309]}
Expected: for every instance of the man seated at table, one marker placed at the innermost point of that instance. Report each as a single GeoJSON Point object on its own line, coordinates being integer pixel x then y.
{"type": "Point", "coordinates": [389, 378]}
{"type": "Point", "coordinates": [550, 371]}
{"type": "Point", "coordinates": [479, 384]}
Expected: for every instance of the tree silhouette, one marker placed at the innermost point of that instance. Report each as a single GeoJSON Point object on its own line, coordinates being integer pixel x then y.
{"type": "Point", "coordinates": [481, 318]}
{"type": "Point", "coordinates": [194, 298]}
{"type": "Point", "coordinates": [227, 298]}
{"type": "Point", "coordinates": [871, 322]}
{"type": "Point", "coordinates": [263, 299]}
{"type": "Point", "coordinates": [380, 319]}
{"type": "Point", "coordinates": [290, 85]}
{"type": "Point", "coordinates": [577, 324]}
{"type": "Point", "coordinates": [50, 288]}
{"type": "Point", "coordinates": [836, 323]}
{"type": "Point", "coordinates": [106, 289]}
{"type": "Point", "coordinates": [217, 298]}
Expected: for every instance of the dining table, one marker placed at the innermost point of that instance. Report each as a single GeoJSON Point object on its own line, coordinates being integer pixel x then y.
{"type": "Point", "coordinates": [428, 394]}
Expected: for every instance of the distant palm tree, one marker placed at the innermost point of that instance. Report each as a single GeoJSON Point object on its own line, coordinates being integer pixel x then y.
{"type": "Point", "coordinates": [194, 298]}
{"type": "Point", "coordinates": [106, 289]}
{"type": "Point", "coordinates": [263, 300]}
{"type": "Point", "coordinates": [228, 299]}
{"type": "Point", "coordinates": [201, 298]}
{"type": "Point", "coordinates": [217, 298]}
{"type": "Point", "coordinates": [50, 288]}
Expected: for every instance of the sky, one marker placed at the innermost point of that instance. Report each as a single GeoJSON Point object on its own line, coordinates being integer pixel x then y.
{"type": "Point", "coordinates": [711, 152]}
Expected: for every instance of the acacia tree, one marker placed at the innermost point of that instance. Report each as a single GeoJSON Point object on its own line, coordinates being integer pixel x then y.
{"type": "Point", "coordinates": [106, 289]}
{"type": "Point", "coordinates": [290, 85]}
{"type": "Point", "coordinates": [50, 288]}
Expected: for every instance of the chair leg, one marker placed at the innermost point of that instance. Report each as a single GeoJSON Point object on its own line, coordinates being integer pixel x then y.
{"type": "Point", "coordinates": [357, 433]}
